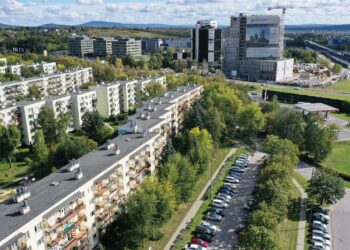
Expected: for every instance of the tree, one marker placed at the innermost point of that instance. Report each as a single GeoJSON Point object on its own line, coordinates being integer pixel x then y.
{"type": "Point", "coordinates": [10, 140]}
{"type": "Point", "coordinates": [48, 124]}
{"type": "Point", "coordinates": [259, 238]}
{"type": "Point", "coordinates": [119, 65]}
{"type": "Point", "coordinates": [287, 124]}
{"type": "Point", "coordinates": [104, 133]}
{"type": "Point", "coordinates": [34, 92]}
{"type": "Point", "coordinates": [155, 89]}
{"type": "Point", "coordinates": [40, 153]}
{"type": "Point", "coordinates": [92, 124]}
{"type": "Point", "coordinates": [201, 148]}
{"type": "Point", "coordinates": [337, 68]}
{"type": "Point", "coordinates": [63, 123]}
{"type": "Point", "coordinates": [319, 138]}
{"type": "Point", "coordinates": [325, 187]}
{"type": "Point", "coordinates": [269, 107]}
{"type": "Point", "coordinates": [265, 217]}
{"type": "Point", "coordinates": [251, 120]}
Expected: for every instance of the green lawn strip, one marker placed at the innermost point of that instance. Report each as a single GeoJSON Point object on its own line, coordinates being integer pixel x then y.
{"type": "Point", "coordinates": [339, 158]}
{"type": "Point", "coordinates": [170, 227]}
{"type": "Point", "coordinates": [343, 116]}
{"type": "Point", "coordinates": [19, 167]}
{"type": "Point", "coordinates": [187, 234]}
{"type": "Point", "coordinates": [342, 86]}
{"type": "Point", "coordinates": [301, 179]}
{"type": "Point", "coordinates": [288, 229]}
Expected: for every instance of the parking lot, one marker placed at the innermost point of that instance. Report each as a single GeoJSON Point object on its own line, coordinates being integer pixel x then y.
{"type": "Point", "coordinates": [226, 237]}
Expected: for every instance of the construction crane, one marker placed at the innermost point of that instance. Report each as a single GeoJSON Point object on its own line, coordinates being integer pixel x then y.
{"type": "Point", "coordinates": [283, 8]}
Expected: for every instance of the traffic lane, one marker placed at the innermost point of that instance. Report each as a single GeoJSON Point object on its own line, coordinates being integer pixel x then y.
{"type": "Point", "coordinates": [226, 237]}
{"type": "Point", "coordinates": [340, 226]}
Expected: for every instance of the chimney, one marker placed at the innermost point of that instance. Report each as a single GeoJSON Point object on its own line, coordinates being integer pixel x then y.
{"type": "Point", "coordinates": [159, 100]}
{"type": "Point", "coordinates": [25, 208]}
{"type": "Point", "coordinates": [73, 164]}
{"type": "Point", "coordinates": [117, 150]}
{"type": "Point", "coordinates": [109, 145]}
{"type": "Point", "coordinates": [78, 174]}
{"type": "Point", "coordinates": [148, 116]}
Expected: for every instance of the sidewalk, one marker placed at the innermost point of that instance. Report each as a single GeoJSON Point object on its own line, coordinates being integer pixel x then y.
{"type": "Point", "coordinates": [197, 204]}
{"type": "Point", "coordinates": [302, 221]}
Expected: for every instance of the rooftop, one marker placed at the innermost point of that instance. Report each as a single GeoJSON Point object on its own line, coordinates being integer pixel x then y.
{"type": "Point", "coordinates": [315, 107]}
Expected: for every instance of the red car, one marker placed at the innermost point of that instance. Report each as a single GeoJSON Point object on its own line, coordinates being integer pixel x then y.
{"type": "Point", "coordinates": [199, 241]}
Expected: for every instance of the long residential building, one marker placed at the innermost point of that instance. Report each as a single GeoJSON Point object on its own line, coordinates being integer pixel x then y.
{"type": "Point", "coordinates": [71, 208]}
{"type": "Point", "coordinates": [16, 69]}
{"type": "Point", "coordinates": [107, 99]}
{"type": "Point", "coordinates": [82, 101]}
{"type": "Point", "coordinates": [54, 84]}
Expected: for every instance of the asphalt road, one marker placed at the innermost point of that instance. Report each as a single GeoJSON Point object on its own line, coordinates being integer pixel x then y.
{"type": "Point", "coordinates": [340, 214]}
{"type": "Point", "coordinates": [226, 237]}
{"type": "Point", "coordinates": [344, 134]}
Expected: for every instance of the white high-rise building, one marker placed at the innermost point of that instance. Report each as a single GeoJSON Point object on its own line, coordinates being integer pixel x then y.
{"type": "Point", "coordinates": [107, 99]}
{"type": "Point", "coordinates": [82, 102]}
{"type": "Point", "coordinates": [127, 90]}
{"type": "Point", "coordinates": [61, 105]}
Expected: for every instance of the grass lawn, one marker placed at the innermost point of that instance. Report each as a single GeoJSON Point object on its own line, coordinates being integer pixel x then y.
{"type": "Point", "coordinates": [342, 86]}
{"type": "Point", "coordinates": [19, 168]}
{"type": "Point", "coordinates": [169, 228]}
{"type": "Point", "coordinates": [288, 229]}
{"type": "Point", "coordinates": [186, 235]}
{"type": "Point", "coordinates": [299, 178]}
{"type": "Point", "coordinates": [343, 116]}
{"type": "Point", "coordinates": [339, 158]}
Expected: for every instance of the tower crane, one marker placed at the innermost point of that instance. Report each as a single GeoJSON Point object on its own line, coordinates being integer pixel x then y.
{"type": "Point", "coordinates": [283, 8]}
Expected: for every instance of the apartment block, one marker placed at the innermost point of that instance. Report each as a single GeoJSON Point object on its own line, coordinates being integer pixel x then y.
{"type": "Point", "coordinates": [127, 91]}
{"type": "Point", "coordinates": [103, 46]}
{"type": "Point", "coordinates": [9, 115]}
{"type": "Point", "coordinates": [82, 102]}
{"type": "Point", "coordinates": [151, 44]}
{"type": "Point", "coordinates": [159, 79]}
{"type": "Point", "coordinates": [45, 67]}
{"type": "Point", "coordinates": [127, 46]}
{"type": "Point", "coordinates": [81, 46]}
{"type": "Point", "coordinates": [14, 69]}
{"type": "Point", "coordinates": [107, 99]}
{"type": "Point", "coordinates": [141, 85]}
{"type": "Point", "coordinates": [29, 111]}
{"type": "Point", "coordinates": [71, 208]}
{"type": "Point", "coordinates": [61, 105]}
{"type": "Point", "coordinates": [55, 84]}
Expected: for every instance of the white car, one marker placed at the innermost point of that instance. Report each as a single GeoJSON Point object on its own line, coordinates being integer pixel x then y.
{"type": "Point", "coordinates": [231, 179]}
{"type": "Point", "coordinates": [324, 235]}
{"type": "Point", "coordinates": [194, 247]}
{"type": "Point", "coordinates": [209, 225]}
{"type": "Point", "coordinates": [219, 203]}
{"type": "Point", "coordinates": [223, 198]}
{"type": "Point", "coordinates": [326, 217]}
{"type": "Point", "coordinates": [230, 185]}
{"type": "Point", "coordinates": [319, 224]}
{"type": "Point", "coordinates": [320, 245]}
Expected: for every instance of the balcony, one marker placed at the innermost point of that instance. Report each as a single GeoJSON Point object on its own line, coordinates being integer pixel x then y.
{"type": "Point", "coordinates": [101, 191]}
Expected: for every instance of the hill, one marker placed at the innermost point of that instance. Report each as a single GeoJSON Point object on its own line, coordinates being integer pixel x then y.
{"type": "Point", "coordinates": [319, 27]}
{"type": "Point", "coordinates": [104, 24]}
{"type": "Point", "coordinates": [4, 26]}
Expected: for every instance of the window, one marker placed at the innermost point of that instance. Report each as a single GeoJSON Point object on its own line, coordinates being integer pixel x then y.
{"type": "Point", "coordinates": [40, 241]}
{"type": "Point", "coordinates": [38, 227]}
{"type": "Point", "coordinates": [28, 235]}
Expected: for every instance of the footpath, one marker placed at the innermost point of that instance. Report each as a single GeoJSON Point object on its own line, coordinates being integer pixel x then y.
{"type": "Point", "coordinates": [198, 202]}
{"type": "Point", "coordinates": [302, 220]}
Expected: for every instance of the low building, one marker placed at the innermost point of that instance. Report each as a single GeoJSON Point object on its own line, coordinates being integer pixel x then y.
{"type": "Point", "coordinates": [29, 112]}
{"type": "Point", "coordinates": [127, 46]}
{"type": "Point", "coordinates": [103, 46]}
{"type": "Point", "coordinates": [151, 44]}
{"type": "Point", "coordinates": [127, 91]}
{"type": "Point", "coordinates": [82, 102]}
{"type": "Point", "coordinates": [81, 46]}
{"type": "Point", "coordinates": [15, 69]}
{"type": "Point", "coordinates": [61, 105]}
{"type": "Point", "coordinates": [321, 108]}
{"type": "Point", "coordinates": [107, 99]}
{"type": "Point", "coordinates": [71, 208]}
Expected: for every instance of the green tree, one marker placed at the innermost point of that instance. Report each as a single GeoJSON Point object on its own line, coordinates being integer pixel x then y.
{"type": "Point", "coordinates": [63, 123]}
{"type": "Point", "coordinates": [259, 238]}
{"type": "Point", "coordinates": [119, 65]}
{"type": "Point", "coordinates": [325, 187]}
{"type": "Point", "coordinates": [92, 124]}
{"type": "Point", "coordinates": [273, 106]}
{"type": "Point", "coordinates": [264, 216]}
{"type": "Point", "coordinates": [40, 153]}
{"type": "Point", "coordinates": [104, 134]}
{"type": "Point", "coordinates": [319, 138]}
{"type": "Point", "coordinates": [48, 124]}
{"type": "Point", "coordinates": [251, 120]}
{"type": "Point", "coordinates": [34, 92]}
{"type": "Point", "coordinates": [337, 68]}
{"type": "Point", "coordinates": [155, 89]}
{"type": "Point", "coordinates": [9, 141]}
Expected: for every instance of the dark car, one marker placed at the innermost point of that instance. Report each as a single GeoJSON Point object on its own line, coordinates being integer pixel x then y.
{"type": "Point", "coordinates": [205, 230]}
{"type": "Point", "coordinates": [225, 191]}
{"type": "Point", "coordinates": [320, 218]}
{"type": "Point", "coordinates": [320, 210]}
{"type": "Point", "coordinates": [239, 228]}
{"type": "Point", "coordinates": [235, 176]}
{"type": "Point", "coordinates": [229, 189]}
{"type": "Point", "coordinates": [205, 237]}
{"type": "Point", "coordinates": [216, 210]}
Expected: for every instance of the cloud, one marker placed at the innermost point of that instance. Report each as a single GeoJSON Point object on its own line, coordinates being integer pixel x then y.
{"type": "Point", "coordinates": [12, 6]}
{"type": "Point", "coordinates": [89, 2]}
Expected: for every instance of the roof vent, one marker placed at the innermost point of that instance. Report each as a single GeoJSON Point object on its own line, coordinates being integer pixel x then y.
{"type": "Point", "coordinates": [117, 150]}
{"type": "Point", "coordinates": [159, 101]}
{"type": "Point", "coordinates": [145, 133]}
{"type": "Point", "coordinates": [78, 174]}
{"type": "Point", "coordinates": [151, 100]}
{"type": "Point", "coordinates": [109, 145]}
{"type": "Point", "coordinates": [73, 164]}
{"type": "Point", "coordinates": [55, 183]}
{"type": "Point", "coordinates": [22, 193]}
{"type": "Point", "coordinates": [166, 95]}
{"type": "Point", "coordinates": [142, 116]}
{"type": "Point", "coordinates": [24, 209]}
{"type": "Point", "coordinates": [135, 128]}
{"type": "Point", "coordinates": [183, 89]}
{"type": "Point", "coordinates": [128, 139]}
{"type": "Point", "coordinates": [148, 116]}
{"type": "Point", "coordinates": [172, 95]}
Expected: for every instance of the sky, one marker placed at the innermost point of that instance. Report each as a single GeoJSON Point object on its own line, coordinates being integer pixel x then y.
{"type": "Point", "coordinates": [71, 12]}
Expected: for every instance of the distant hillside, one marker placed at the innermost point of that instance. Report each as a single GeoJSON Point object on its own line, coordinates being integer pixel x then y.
{"type": "Point", "coordinates": [2, 26]}
{"type": "Point", "coordinates": [103, 24]}
{"type": "Point", "coordinates": [53, 26]}
{"type": "Point", "coordinates": [319, 27]}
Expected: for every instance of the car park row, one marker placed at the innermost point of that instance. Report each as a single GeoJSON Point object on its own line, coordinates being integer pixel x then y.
{"type": "Point", "coordinates": [319, 236]}
{"type": "Point", "coordinates": [206, 231]}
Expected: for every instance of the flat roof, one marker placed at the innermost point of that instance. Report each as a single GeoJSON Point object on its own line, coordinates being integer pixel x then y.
{"type": "Point", "coordinates": [315, 107]}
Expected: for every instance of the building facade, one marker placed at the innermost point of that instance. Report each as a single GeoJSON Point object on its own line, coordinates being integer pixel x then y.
{"type": "Point", "coordinates": [61, 105]}
{"type": "Point", "coordinates": [82, 101]}
{"type": "Point", "coordinates": [103, 46]}
{"type": "Point", "coordinates": [127, 46]}
{"type": "Point", "coordinates": [206, 42]}
{"type": "Point", "coordinates": [127, 91]}
{"type": "Point", "coordinates": [254, 49]}
{"type": "Point", "coordinates": [81, 46]}
{"type": "Point", "coordinates": [46, 67]}
{"type": "Point", "coordinates": [107, 99]}
{"type": "Point", "coordinates": [178, 43]}
{"type": "Point", "coordinates": [71, 209]}
{"type": "Point", "coordinates": [151, 44]}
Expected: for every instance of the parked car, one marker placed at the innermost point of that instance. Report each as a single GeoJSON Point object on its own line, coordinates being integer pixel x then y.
{"type": "Point", "coordinates": [194, 247]}
{"type": "Point", "coordinates": [318, 214]}
{"type": "Point", "coordinates": [199, 242]}
{"type": "Point", "coordinates": [238, 177]}
{"type": "Point", "coordinates": [227, 192]}
{"type": "Point", "coordinates": [206, 237]}
{"type": "Point", "coordinates": [322, 234]}
{"type": "Point", "coordinates": [239, 228]}
{"type": "Point", "coordinates": [204, 230]}
{"type": "Point", "coordinates": [231, 179]}
{"type": "Point", "coordinates": [231, 190]}
{"type": "Point", "coordinates": [213, 216]}
{"type": "Point", "coordinates": [211, 226]}
{"type": "Point", "coordinates": [319, 226]}
{"type": "Point", "coordinates": [214, 210]}
{"type": "Point", "coordinates": [320, 210]}
{"type": "Point", "coordinates": [230, 185]}
{"type": "Point", "coordinates": [320, 218]}
{"type": "Point", "coordinates": [219, 203]}
{"type": "Point", "coordinates": [238, 170]}
{"type": "Point", "coordinates": [319, 246]}
{"type": "Point", "coordinates": [222, 197]}
{"type": "Point", "coordinates": [315, 238]}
